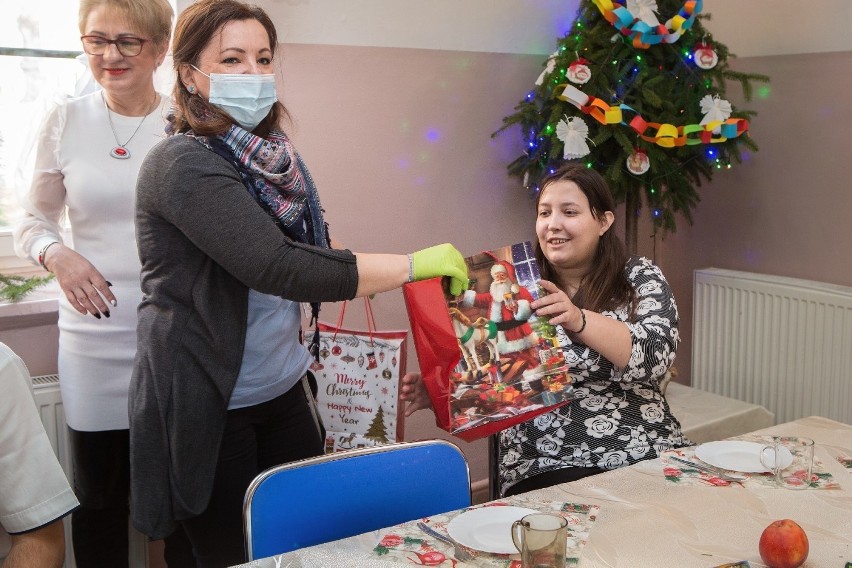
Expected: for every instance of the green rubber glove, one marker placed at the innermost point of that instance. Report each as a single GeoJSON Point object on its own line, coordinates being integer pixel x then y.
{"type": "Point", "coordinates": [441, 260]}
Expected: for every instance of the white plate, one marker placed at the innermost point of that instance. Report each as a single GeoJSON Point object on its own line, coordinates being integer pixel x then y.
{"type": "Point", "coordinates": [488, 529]}
{"type": "Point", "coordinates": [739, 455]}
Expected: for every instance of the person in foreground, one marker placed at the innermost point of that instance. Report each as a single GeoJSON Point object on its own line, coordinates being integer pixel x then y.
{"type": "Point", "coordinates": [88, 156]}
{"type": "Point", "coordinates": [231, 237]}
{"type": "Point", "coordinates": [34, 493]}
{"type": "Point", "coordinates": [622, 325]}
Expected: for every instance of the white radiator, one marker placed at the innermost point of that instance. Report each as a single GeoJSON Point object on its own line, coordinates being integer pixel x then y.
{"type": "Point", "coordinates": [783, 343]}
{"type": "Point", "coordinates": [49, 402]}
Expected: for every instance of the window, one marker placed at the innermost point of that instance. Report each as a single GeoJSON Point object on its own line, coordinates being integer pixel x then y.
{"type": "Point", "coordinates": [39, 41]}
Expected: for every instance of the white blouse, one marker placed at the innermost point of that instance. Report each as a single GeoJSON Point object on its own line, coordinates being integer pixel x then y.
{"type": "Point", "coordinates": [76, 176]}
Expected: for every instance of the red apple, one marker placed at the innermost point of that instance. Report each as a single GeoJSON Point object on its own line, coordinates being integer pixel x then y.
{"type": "Point", "coordinates": [784, 544]}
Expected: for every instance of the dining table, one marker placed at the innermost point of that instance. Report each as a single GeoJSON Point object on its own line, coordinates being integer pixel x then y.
{"type": "Point", "coordinates": [656, 513]}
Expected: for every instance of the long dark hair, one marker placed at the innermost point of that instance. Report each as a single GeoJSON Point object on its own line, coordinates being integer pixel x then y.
{"type": "Point", "coordinates": [606, 286]}
{"type": "Point", "coordinates": [196, 26]}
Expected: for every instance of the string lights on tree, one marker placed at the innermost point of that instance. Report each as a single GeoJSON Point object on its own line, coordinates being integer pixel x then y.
{"type": "Point", "coordinates": [637, 90]}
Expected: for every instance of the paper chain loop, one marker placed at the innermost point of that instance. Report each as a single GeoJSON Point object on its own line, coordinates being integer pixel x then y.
{"type": "Point", "coordinates": [667, 135]}
{"type": "Point", "coordinates": [642, 34]}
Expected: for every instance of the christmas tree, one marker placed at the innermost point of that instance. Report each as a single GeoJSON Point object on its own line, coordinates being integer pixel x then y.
{"type": "Point", "coordinates": [636, 90]}
{"type": "Point", "coordinates": [376, 431]}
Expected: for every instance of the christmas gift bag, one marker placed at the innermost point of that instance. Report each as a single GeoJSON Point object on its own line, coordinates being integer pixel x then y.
{"type": "Point", "coordinates": [486, 360]}
{"type": "Point", "coordinates": [358, 375]}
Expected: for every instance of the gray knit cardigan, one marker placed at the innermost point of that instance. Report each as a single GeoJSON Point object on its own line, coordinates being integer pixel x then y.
{"type": "Point", "coordinates": [203, 242]}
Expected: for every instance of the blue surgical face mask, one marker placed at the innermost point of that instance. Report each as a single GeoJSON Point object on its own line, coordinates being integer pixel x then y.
{"type": "Point", "coordinates": [244, 97]}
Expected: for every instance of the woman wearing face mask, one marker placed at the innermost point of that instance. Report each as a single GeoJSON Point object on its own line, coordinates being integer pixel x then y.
{"type": "Point", "coordinates": [231, 236]}
{"type": "Point", "coordinates": [89, 153]}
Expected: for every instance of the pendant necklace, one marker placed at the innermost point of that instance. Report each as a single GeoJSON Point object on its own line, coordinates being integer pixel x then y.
{"type": "Point", "coordinates": [120, 152]}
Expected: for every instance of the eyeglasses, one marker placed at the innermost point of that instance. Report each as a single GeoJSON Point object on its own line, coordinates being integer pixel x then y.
{"type": "Point", "coordinates": [128, 46]}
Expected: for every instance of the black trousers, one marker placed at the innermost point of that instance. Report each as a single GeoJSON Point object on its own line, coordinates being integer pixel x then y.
{"type": "Point", "coordinates": [102, 483]}
{"type": "Point", "coordinates": [255, 439]}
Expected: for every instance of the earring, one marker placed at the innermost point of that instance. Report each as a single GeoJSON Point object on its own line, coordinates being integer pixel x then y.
{"type": "Point", "coordinates": [191, 89]}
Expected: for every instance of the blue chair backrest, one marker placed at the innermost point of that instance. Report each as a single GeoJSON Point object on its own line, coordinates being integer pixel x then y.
{"type": "Point", "coordinates": [330, 497]}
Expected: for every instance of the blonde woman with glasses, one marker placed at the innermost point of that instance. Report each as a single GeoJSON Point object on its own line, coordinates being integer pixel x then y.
{"type": "Point", "coordinates": [88, 156]}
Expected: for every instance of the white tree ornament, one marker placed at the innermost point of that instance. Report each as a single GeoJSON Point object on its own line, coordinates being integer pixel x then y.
{"type": "Point", "coordinates": [578, 72]}
{"type": "Point", "coordinates": [551, 63]}
{"type": "Point", "coordinates": [715, 109]}
{"type": "Point", "coordinates": [644, 10]}
{"type": "Point", "coordinates": [573, 133]}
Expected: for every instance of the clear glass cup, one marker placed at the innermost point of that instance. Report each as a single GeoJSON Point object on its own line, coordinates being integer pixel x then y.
{"type": "Point", "coordinates": [791, 461]}
{"type": "Point", "coordinates": [541, 539]}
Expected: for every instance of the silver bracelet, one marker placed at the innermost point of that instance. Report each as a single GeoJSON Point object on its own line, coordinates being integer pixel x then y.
{"type": "Point", "coordinates": [410, 268]}
{"type": "Point", "coordinates": [43, 252]}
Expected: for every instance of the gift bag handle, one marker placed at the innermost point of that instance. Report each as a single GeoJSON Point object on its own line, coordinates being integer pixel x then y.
{"type": "Point", "coordinates": [371, 321]}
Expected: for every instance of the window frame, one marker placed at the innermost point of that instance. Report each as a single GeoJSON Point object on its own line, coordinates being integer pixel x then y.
{"type": "Point", "coordinates": [9, 261]}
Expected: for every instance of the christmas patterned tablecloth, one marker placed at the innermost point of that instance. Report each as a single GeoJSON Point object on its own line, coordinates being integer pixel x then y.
{"type": "Point", "coordinates": [406, 543]}
{"type": "Point", "coordinates": [680, 473]}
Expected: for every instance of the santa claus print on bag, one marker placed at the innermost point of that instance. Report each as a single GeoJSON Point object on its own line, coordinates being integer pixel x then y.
{"type": "Point", "coordinates": [508, 304]}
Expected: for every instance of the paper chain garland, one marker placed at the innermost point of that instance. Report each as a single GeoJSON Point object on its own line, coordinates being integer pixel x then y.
{"type": "Point", "coordinates": [667, 135]}
{"type": "Point", "coordinates": [642, 34]}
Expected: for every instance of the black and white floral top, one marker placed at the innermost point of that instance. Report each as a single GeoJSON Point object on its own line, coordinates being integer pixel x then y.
{"type": "Point", "coordinates": [620, 416]}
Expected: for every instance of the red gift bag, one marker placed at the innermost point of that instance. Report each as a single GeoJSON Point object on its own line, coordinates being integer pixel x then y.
{"type": "Point", "coordinates": [358, 376]}
{"type": "Point", "coordinates": [475, 388]}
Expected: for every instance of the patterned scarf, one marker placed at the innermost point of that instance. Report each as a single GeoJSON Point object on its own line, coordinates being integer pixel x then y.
{"type": "Point", "coordinates": [275, 175]}
{"type": "Point", "coordinates": [277, 178]}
